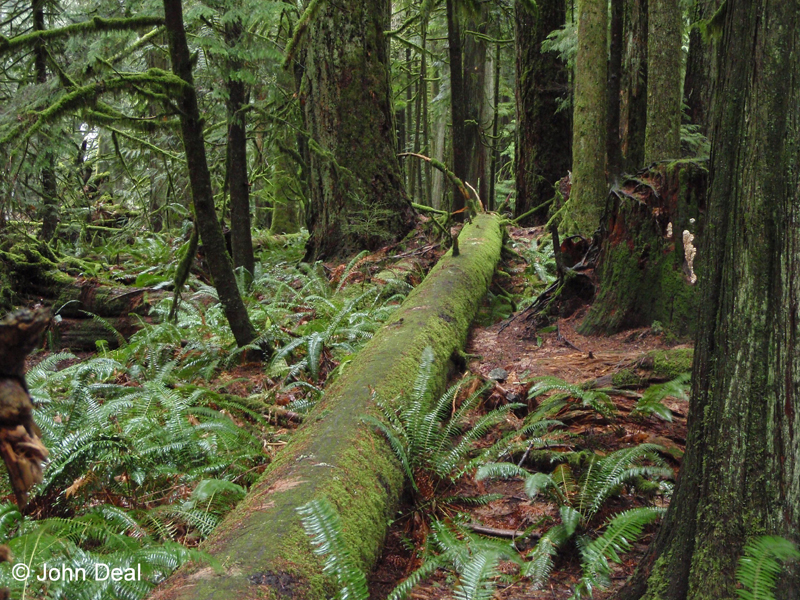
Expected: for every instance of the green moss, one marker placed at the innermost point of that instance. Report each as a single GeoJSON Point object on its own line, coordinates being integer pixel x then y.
{"type": "Point", "coordinates": [668, 364]}
{"type": "Point", "coordinates": [625, 378]}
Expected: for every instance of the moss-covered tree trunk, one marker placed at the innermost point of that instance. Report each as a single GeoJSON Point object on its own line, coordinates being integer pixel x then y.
{"type": "Point", "coordinates": [616, 29]}
{"type": "Point", "coordinates": [261, 544]}
{"type": "Point", "coordinates": [701, 68]}
{"type": "Point", "coordinates": [48, 212]}
{"type": "Point", "coordinates": [458, 109]}
{"type": "Point", "coordinates": [219, 262]}
{"type": "Point", "coordinates": [664, 59]}
{"type": "Point", "coordinates": [543, 148]}
{"type": "Point", "coordinates": [236, 161]}
{"type": "Point", "coordinates": [589, 188]}
{"type": "Point", "coordinates": [646, 269]}
{"type": "Point", "coordinates": [739, 477]}
{"type": "Point", "coordinates": [357, 196]}
{"type": "Point", "coordinates": [633, 96]}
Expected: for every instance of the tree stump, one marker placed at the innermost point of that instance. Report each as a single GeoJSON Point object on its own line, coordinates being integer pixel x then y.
{"type": "Point", "coordinates": [647, 268]}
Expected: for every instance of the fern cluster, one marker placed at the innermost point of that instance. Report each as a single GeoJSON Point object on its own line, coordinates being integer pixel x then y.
{"type": "Point", "coordinates": [581, 499]}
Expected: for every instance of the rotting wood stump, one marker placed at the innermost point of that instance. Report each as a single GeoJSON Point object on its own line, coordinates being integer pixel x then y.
{"type": "Point", "coordinates": [261, 544]}
{"type": "Point", "coordinates": [648, 267]}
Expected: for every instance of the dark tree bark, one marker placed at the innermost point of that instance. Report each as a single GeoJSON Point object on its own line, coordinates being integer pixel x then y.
{"type": "Point", "coordinates": [701, 68]}
{"type": "Point", "coordinates": [219, 263]}
{"type": "Point", "coordinates": [664, 58]}
{"type": "Point", "coordinates": [613, 155]}
{"type": "Point", "coordinates": [238, 184]}
{"type": "Point", "coordinates": [49, 210]}
{"type": "Point", "coordinates": [740, 472]}
{"type": "Point", "coordinates": [543, 149]}
{"type": "Point", "coordinates": [647, 266]}
{"type": "Point", "coordinates": [458, 109]}
{"type": "Point", "coordinates": [474, 81]}
{"type": "Point", "coordinates": [357, 196]}
{"type": "Point", "coordinates": [589, 188]}
{"type": "Point", "coordinates": [633, 100]}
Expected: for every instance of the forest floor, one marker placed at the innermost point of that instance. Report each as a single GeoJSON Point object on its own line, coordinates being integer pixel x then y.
{"type": "Point", "coordinates": [508, 351]}
{"type": "Point", "coordinates": [512, 353]}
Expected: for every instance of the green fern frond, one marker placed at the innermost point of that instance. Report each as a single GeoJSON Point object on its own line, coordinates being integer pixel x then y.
{"type": "Point", "coordinates": [651, 402]}
{"type": "Point", "coordinates": [598, 400]}
{"type": "Point", "coordinates": [619, 534]}
{"type": "Point", "coordinates": [475, 582]}
{"type": "Point", "coordinates": [321, 523]}
{"type": "Point", "coordinates": [349, 269]}
{"type": "Point", "coordinates": [761, 564]}
{"type": "Point", "coordinates": [499, 471]}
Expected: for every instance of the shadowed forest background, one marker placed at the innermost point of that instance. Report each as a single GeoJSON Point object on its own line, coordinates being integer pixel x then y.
{"type": "Point", "coordinates": [423, 298]}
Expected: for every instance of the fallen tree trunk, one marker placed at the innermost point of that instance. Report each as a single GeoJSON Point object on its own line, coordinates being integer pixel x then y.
{"type": "Point", "coordinates": [261, 544]}
{"type": "Point", "coordinates": [29, 275]}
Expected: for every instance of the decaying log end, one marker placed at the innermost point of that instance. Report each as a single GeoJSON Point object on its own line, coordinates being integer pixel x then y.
{"type": "Point", "coordinates": [20, 446]}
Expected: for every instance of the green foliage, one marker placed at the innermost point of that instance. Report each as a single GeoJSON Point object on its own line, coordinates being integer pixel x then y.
{"type": "Point", "coordinates": [596, 400]}
{"type": "Point", "coordinates": [423, 433]}
{"type": "Point", "coordinates": [103, 534]}
{"type": "Point", "coordinates": [580, 500]}
{"type": "Point", "coordinates": [651, 402]}
{"type": "Point", "coordinates": [761, 564]}
{"type": "Point", "coordinates": [321, 523]}
{"type": "Point", "coordinates": [618, 536]}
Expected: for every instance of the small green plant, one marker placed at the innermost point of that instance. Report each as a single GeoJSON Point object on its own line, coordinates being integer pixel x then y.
{"type": "Point", "coordinates": [580, 501]}
{"type": "Point", "coordinates": [430, 438]}
{"type": "Point", "coordinates": [567, 393]}
{"type": "Point", "coordinates": [652, 401]}
{"type": "Point", "coordinates": [321, 523]}
{"type": "Point", "coordinates": [760, 564]}
{"type": "Point", "coordinates": [474, 559]}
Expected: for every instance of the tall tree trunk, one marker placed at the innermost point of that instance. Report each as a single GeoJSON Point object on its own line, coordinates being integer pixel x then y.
{"type": "Point", "coordinates": [219, 263]}
{"type": "Point", "coordinates": [739, 477]}
{"type": "Point", "coordinates": [238, 184]}
{"type": "Point", "coordinates": [490, 201]}
{"type": "Point", "coordinates": [49, 210]}
{"type": "Point", "coordinates": [633, 100]}
{"type": "Point", "coordinates": [589, 188]}
{"type": "Point", "coordinates": [664, 59]}
{"type": "Point", "coordinates": [613, 155]}
{"type": "Point", "coordinates": [701, 68]}
{"type": "Point", "coordinates": [543, 149]}
{"type": "Point", "coordinates": [474, 65]}
{"type": "Point", "coordinates": [458, 109]}
{"type": "Point", "coordinates": [357, 196]}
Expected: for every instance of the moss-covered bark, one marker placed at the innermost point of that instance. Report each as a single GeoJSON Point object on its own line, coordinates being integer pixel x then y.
{"type": "Point", "coordinates": [543, 149]}
{"type": "Point", "coordinates": [664, 59]}
{"type": "Point", "coordinates": [236, 160]}
{"type": "Point", "coordinates": [643, 271]}
{"type": "Point", "coordinates": [589, 189]}
{"type": "Point", "coordinates": [633, 97]}
{"type": "Point", "coordinates": [739, 477]}
{"type": "Point", "coordinates": [264, 550]}
{"type": "Point", "coordinates": [357, 198]}
{"type": "Point", "coordinates": [701, 67]}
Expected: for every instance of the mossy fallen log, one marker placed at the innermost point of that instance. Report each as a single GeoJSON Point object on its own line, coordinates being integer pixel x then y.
{"type": "Point", "coordinates": [261, 544]}
{"type": "Point", "coordinates": [30, 273]}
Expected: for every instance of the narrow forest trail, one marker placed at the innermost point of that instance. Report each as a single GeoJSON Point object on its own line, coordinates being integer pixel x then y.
{"type": "Point", "coordinates": [511, 354]}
